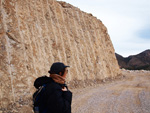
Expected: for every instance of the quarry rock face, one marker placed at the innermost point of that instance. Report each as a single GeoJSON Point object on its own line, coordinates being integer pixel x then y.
{"type": "Point", "coordinates": [36, 33]}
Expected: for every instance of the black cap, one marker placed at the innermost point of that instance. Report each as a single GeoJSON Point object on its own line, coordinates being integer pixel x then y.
{"type": "Point", "coordinates": [57, 67]}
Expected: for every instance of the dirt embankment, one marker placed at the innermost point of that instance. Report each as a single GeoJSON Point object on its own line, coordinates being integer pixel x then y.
{"type": "Point", "coordinates": [131, 94]}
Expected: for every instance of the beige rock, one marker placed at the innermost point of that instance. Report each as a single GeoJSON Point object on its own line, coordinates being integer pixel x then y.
{"type": "Point", "coordinates": [36, 33]}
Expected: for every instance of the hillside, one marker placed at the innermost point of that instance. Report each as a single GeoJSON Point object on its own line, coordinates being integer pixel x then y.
{"type": "Point", "coordinates": [135, 62]}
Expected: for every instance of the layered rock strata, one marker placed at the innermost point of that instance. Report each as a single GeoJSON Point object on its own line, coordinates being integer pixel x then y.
{"type": "Point", "coordinates": [36, 33]}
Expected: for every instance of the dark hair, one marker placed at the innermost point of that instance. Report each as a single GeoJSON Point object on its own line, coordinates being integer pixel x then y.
{"type": "Point", "coordinates": [62, 72]}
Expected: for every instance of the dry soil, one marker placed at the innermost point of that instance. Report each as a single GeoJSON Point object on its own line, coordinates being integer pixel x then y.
{"type": "Point", "coordinates": [131, 94]}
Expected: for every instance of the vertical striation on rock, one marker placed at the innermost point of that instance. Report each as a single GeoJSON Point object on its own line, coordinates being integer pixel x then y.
{"type": "Point", "coordinates": [36, 33]}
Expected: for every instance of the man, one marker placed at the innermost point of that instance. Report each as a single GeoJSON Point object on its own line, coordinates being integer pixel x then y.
{"type": "Point", "coordinates": [56, 98]}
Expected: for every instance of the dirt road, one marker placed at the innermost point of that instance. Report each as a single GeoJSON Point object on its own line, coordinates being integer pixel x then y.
{"type": "Point", "coordinates": [128, 95]}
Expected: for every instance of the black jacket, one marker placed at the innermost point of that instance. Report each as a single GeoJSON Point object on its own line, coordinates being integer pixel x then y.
{"type": "Point", "coordinates": [54, 99]}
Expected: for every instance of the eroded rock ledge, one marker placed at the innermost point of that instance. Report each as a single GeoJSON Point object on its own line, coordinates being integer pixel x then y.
{"type": "Point", "coordinates": [36, 33]}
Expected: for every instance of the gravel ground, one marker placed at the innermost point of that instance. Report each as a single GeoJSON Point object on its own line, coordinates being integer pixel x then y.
{"type": "Point", "coordinates": [128, 95]}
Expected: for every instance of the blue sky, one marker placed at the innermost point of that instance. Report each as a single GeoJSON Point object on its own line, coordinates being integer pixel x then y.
{"type": "Point", "coordinates": [127, 22]}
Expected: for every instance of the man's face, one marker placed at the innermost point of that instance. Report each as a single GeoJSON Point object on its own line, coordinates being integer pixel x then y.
{"type": "Point", "coordinates": [65, 73]}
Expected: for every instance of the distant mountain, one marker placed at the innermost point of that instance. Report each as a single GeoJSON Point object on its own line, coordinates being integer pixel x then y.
{"type": "Point", "coordinates": [135, 62]}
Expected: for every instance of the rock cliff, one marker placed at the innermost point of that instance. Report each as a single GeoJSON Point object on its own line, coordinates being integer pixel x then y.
{"type": "Point", "coordinates": [36, 33]}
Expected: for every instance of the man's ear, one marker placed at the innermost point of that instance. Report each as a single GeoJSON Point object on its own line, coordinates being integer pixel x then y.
{"type": "Point", "coordinates": [60, 73]}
